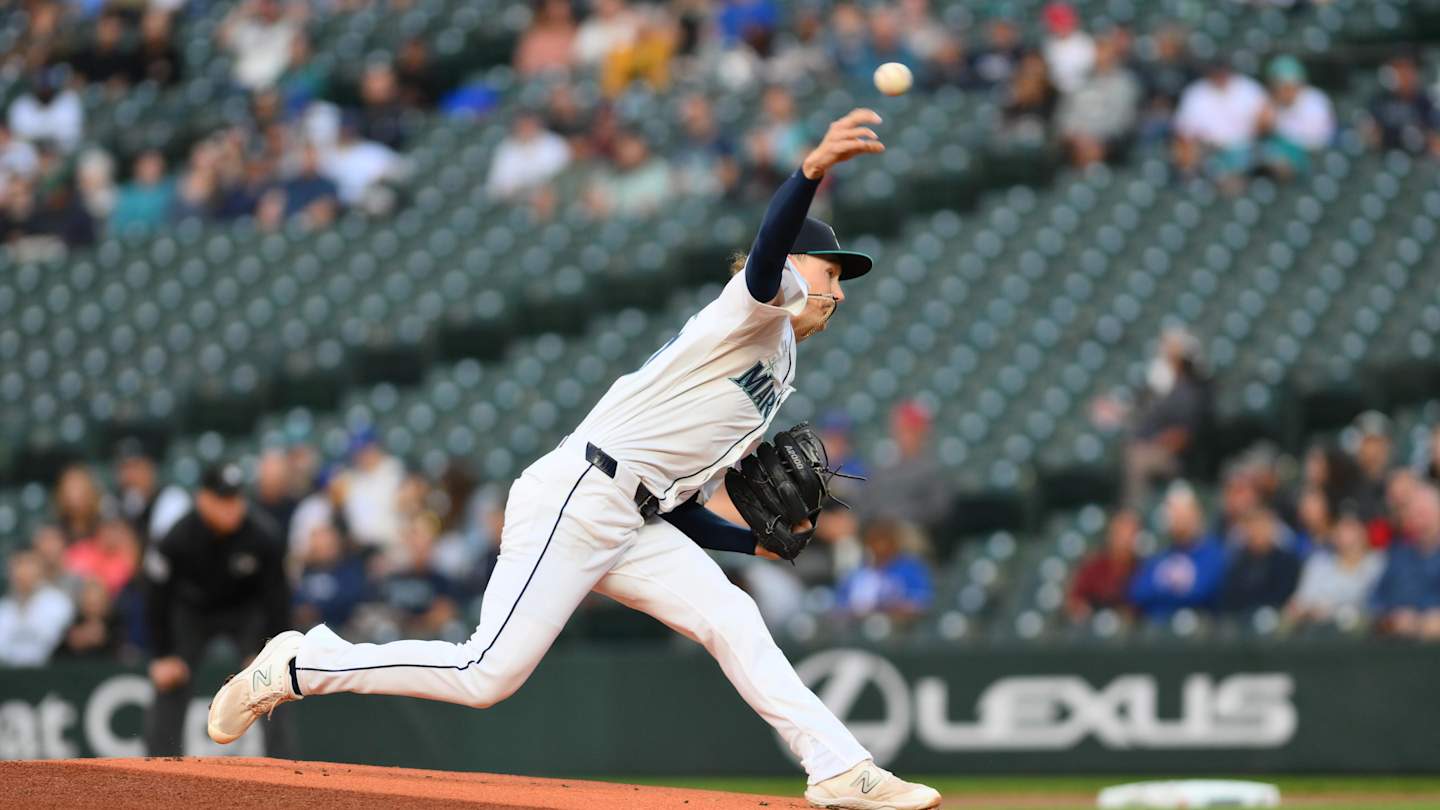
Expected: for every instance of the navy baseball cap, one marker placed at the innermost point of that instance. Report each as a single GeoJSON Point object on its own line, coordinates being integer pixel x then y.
{"type": "Point", "coordinates": [224, 480]}
{"type": "Point", "coordinates": [818, 239]}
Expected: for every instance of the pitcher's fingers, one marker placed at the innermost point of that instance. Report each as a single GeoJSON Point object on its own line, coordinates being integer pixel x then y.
{"type": "Point", "coordinates": [860, 115]}
{"type": "Point", "coordinates": [856, 146]}
{"type": "Point", "coordinates": [855, 133]}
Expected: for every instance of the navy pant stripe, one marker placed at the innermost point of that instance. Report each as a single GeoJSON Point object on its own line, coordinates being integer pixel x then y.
{"type": "Point", "coordinates": [518, 597]}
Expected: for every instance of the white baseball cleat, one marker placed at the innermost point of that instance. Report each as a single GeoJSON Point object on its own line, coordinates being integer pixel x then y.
{"type": "Point", "coordinates": [868, 786]}
{"type": "Point", "coordinates": [256, 690]}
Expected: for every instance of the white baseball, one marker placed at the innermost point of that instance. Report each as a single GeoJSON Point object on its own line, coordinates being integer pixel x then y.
{"type": "Point", "coordinates": [893, 78]}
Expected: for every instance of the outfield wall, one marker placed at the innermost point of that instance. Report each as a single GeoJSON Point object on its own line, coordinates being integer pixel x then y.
{"type": "Point", "coordinates": [1360, 708]}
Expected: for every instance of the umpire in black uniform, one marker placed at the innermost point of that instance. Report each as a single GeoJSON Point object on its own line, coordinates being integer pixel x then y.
{"type": "Point", "coordinates": [218, 572]}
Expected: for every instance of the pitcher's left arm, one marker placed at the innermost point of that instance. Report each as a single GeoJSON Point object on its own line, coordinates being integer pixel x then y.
{"type": "Point", "coordinates": [709, 530]}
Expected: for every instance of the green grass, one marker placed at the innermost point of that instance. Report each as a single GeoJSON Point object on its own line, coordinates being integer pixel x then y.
{"type": "Point", "coordinates": [1078, 792]}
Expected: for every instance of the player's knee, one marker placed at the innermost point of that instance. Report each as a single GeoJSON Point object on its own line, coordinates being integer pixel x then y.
{"type": "Point", "coordinates": [486, 693]}
{"type": "Point", "coordinates": [486, 689]}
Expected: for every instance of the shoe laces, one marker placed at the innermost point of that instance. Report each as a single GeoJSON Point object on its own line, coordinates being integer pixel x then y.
{"type": "Point", "coordinates": [266, 703]}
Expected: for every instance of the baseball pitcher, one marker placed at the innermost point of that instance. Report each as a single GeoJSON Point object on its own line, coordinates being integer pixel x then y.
{"type": "Point", "coordinates": [618, 508]}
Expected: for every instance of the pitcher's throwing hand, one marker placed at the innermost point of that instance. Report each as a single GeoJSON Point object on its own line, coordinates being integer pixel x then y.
{"type": "Point", "coordinates": [847, 137]}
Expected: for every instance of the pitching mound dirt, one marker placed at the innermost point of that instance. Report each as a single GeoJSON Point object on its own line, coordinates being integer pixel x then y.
{"type": "Point", "coordinates": [206, 784]}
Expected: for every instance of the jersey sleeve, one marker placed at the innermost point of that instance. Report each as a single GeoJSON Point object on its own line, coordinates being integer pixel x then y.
{"type": "Point", "coordinates": [735, 306]}
{"type": "Point", "coordinates": [784, 218]}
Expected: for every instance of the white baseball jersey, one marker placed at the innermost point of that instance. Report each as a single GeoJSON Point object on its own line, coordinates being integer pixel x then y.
{"type": "Point", "coordinates": [695, 407]}
{"type": "Point", "coordinates": [704, 399]}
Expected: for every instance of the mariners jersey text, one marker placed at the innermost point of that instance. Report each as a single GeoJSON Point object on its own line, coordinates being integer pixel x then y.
{"type": "Point", "coordinates": [706, 397]}
{"type": "Point", "coordinates": [759, 384]}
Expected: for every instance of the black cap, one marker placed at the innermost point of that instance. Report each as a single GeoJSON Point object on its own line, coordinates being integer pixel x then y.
{"type": "Point", "coordinates": [818, 239]}
{"type": "Point", "coordinates": [225, 480]}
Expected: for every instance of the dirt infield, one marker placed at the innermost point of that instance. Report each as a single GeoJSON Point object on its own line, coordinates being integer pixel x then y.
{"type": "Point", "coordinates": [203, 784]}
{"type": "Point", "coordinates": [195, 783]}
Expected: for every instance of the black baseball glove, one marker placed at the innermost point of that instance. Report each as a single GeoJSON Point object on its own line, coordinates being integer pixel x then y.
{"type": "Point", "coordinates": [780, 486]}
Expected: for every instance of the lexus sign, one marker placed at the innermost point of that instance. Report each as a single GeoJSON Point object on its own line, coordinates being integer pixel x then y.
{"type": "Point", "coordinates": [1054, 712]}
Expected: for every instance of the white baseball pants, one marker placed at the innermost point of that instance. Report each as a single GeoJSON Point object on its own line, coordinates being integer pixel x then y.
{"type": "Point", "coordinates": [570, 530]}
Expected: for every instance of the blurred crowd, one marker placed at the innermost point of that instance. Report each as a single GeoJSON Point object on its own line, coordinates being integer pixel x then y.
{"type": "Point", "coordinates": [370, 545]}
{"type": "Point", "coordinates": [1345, 536]}
{"type": "Point", "coordinates": [365, 543]}
{"type": "Point", "coordinates": [1097, 95]}
{"type": "Point", "coordinates": [1351, 538]}
{"type": "Point", "coordinates": [317, 140]}
{"type": "Point", "coordinates": [310, 144]}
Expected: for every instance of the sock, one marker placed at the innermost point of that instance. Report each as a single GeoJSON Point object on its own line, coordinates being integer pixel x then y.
{"type": "Point", "coordinates": [294, 679]}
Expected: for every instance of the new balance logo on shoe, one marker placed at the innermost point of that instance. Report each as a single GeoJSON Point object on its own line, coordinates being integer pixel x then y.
{"type": "Point", "coordinates": [869, 786]}
{"type": "Point", "coordinates": [260, 676]}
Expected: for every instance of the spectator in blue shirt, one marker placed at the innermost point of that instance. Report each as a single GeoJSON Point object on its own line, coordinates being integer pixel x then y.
{"type": "Point", "coordinates": [1314, 521]}
{"type": "Point", "coordinates": [422, 598]}
{"type": "Point", "coordinates": [1402, 116]}
{"type": "Point", "coordinates": [309, 193]}
{"type": "Point", "coordinates": [780, 139]}
{"type": "Point", "coordinates": [887, 40]}
{"type": "Point", "coordinates": [145, 201]}
{"type": "Point", "coordinates": [1261, 573]}
{"type": "Point", "coordinates": [1190, 572]}
{"type": "Point", "coordinates": [705, 164]}
{"type": "Point", "coordinates": [894, 579]}
{"type": "Point", "coordinates": [849, 41]}
{"type": "Point", "coordinates": [744, 19]}
{"type": "Point", "coordinates": [836, 428]}
{"type": "Point", "coordinates": [332, 583]}
{"type": "Point", "coordinates": [1407, 597]}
